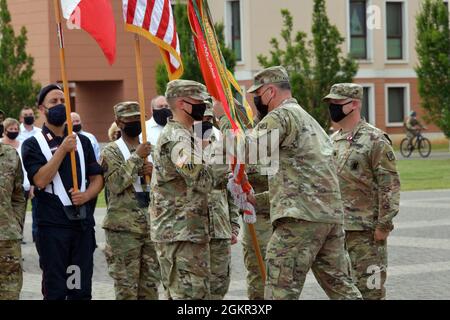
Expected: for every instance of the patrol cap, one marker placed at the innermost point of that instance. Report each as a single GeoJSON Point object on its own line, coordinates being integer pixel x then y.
{"type": "Point", "coordinates": [45, 91]}
{"type": "Point", "coordinates": [186, 89]}
{"type": "Point", "coordinates": [342, 91]}
{"type": "Point", "coordinates": [275, 74]}
{"type": "Point", "coordinates": [126, 109]}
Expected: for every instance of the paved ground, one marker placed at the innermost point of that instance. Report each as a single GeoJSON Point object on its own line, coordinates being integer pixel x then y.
{"type": "Point", "coordinates": [419, 255]}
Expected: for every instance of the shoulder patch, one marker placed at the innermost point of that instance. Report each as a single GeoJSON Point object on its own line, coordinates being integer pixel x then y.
{"type": "Point", "coordinates": [262, 126]}
{"type": "Point", "coordinates": [390, 155]}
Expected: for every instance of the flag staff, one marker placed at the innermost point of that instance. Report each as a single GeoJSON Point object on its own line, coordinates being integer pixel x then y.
{"type": "Point", "coordinates": [62, 60]}
{"type": "Point", "coordinates": [141, 93]}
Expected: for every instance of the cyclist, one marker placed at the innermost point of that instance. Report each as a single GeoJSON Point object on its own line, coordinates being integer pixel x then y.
{"type": "Point", "coordinates": [413, 127]}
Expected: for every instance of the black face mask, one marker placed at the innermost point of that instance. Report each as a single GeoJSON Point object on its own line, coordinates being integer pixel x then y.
{"type": "Point", "coordinates": [28, 120]}
{"type": "Point", "coordinates": [76, 128]}
{"type": "Point", "coordinates": [198, 110]}
{"type": "Point", "coordinates": [12, 135]}
{"type": "Point", "coordinates": [263, 109]}
{"type": "Point", "coordinates": [56, 116]}
{"type": "Point", "coordinates": [336, 112]}
{"type": "Point", "coordinates": [204, 129]}
{"type": "Point", "coordinates": [132, 129]}
{"type": "Point", "coordinates": [161, 116]}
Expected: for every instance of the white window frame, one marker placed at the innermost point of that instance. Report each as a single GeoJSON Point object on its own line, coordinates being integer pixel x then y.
{"type": "Point", "coordinates": [372, 111]}
{"type": "Point", "coordinates": [369, 32]}
{"type": "Point", "coordinates": [407, 100]}
{"type": "Point", "coordinates": [227, 28]}
{"type": "Point", "coordinates": [405, 40]}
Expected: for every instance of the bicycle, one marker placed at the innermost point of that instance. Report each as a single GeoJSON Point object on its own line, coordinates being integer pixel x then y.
{"type": "Point", "coordinates": [419, 142]}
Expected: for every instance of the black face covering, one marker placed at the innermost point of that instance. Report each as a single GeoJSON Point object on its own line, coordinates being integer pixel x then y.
{"type": "Point", "coordinates": [336, 111]}
{"type": "Point", "coordinates": [12, 135]}
{"type": "Point", "coordinates": [28, 120]}
{"type": "Point", "coordinates": [132, 129]}
{"type": "Point", "coordinates": [76, 128]}
{"type": "Point", "coordinates": [161, 116]}
{"type": "Point", "coordinates": [204, 129]}
{"type": "Point", "coordinates": [198, 110]}
{"type": "Point", "coordinates": [263, 109]}
{"type": "Point", "coordinates": [57, 116]}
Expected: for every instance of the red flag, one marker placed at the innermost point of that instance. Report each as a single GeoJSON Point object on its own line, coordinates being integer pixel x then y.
{"type": "Point", "coordinates": [96, 17]}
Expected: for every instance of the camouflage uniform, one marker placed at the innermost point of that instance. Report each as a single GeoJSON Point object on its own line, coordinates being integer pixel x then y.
{"type": "Point", "coordinates": [370, 189]}
{"type": "Point", "coordinates": [12, 217]}
{"type": "Point", "coordinates": [179, 209]}
{"type": "Point", "coordinates": [263, 227]}
{"type": "Point", "coordinates": [129, 251]}
{"type": "Point", "coordinates": [305, 202]}
{"type": "Point", "coordinates": [263, 230]}
{"type": "Point", "coordinates": [223, 224]}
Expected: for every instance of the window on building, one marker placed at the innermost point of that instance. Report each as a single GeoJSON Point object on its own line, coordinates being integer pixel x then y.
{"type": "Point", "coordinates": [394, 29]}
{"type": "Point", "coordinates": [235, 28]}
{"type": "Point", "coordinates": [396, 105]}
{"type": "Point", "coordinates": [365, 108]}
{"type": "Point", "coordinates": [358, 29]}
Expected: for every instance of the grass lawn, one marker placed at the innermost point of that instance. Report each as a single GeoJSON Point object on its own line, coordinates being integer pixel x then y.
{"type": "Point", "coordinates": [439, 147]}
{"type": "Point", "coordinates": [415, 174]}
{"type": "Point", "coordinates": [418, 174]}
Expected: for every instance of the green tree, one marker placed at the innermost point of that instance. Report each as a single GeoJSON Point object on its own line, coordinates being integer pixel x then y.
{"type": "Point", "coordinates": [191, 67]}
{"type": "Point", "coordinates": [17, 87]}
{"type": "Point", "coordinates": [433, 70]}
{"type": "Point", "coordinates": [314, 65]}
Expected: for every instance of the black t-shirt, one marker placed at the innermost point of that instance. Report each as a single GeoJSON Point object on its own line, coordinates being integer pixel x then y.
{"type": "Point", "coordinates": [49, 209]}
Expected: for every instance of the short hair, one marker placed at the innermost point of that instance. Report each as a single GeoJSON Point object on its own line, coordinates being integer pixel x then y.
{"type": "Point", "coordinates": [10, 122]}
{"type": "Point", "coordinates": [171, 102]}
{"type": "Point", "coordinates": [283, 85]}
{"type": "Point", "coordinates": [26, 108]}
{"type": "Point", "coordinates": [153, 102]}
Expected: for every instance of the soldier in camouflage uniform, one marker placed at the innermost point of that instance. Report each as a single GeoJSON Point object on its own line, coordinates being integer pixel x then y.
{"type": "Point", "coordinates": [263, 230]}
{"type": "Point", "coordinates": [412, 126]}
{"type": "Point", "coordinates": [180, 185]}
{"type": "Point", "coordinates": [223, 222]}
{"type": "Point", "coordinates": [12, 217]}
{"type": "Point", "coordinates": [263, 227]}
{"type": "Point", "coordinates": [305, 201]}
{"type": "Point", "coordinates": [129, 250]}
{"type": "Point", "coordinates": [370, 188]}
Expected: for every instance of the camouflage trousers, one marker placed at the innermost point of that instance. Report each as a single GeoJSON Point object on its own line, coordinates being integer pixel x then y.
{"type": "Point", "coordinates": [263, 229]}
{"type": "Point", "coordinates": [133, 264]}
{"type": "Point", "coordinates": [10, 269]}
{"type": "Point", "coordinates": [185, 269]}
{"type": "Point", "coordinates": [220, 251]}
{"type": "Point", "coordinates": [369, 263]}
{"type": "Point", "coordinates": [297, 246]}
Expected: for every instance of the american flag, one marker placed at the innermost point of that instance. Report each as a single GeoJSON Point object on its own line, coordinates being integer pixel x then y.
{"type": "Point", "coordinates": [153, 19]}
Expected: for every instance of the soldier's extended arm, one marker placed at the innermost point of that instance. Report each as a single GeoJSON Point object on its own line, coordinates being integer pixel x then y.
{"type": "Point", "coordinates": [388, 180]}
{"type": "Point", "coordinates": [119, 175]}
{"type": "Point", "coordinates": [18, 200]}
{"type": "Point", "coordinates": [268, 134]}
{"type": "Point", "coordinates": [190, 165]}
